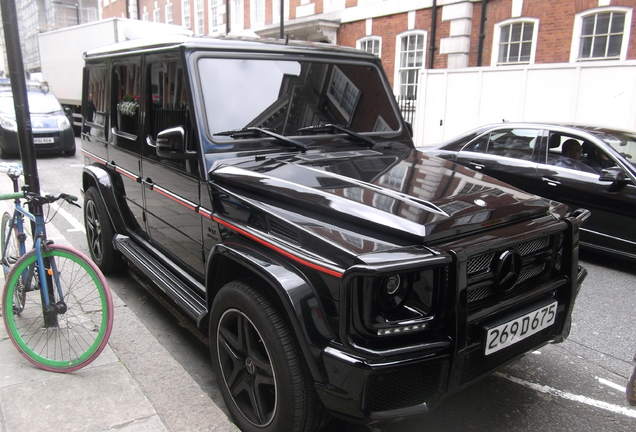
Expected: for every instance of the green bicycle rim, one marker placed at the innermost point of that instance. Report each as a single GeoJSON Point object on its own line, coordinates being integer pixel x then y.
{"type": "Point", "coordinates": [20, 266]}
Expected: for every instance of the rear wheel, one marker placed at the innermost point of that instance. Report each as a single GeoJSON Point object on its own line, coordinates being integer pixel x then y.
{"type": "Point", "coordinates": [100, 232]}
{"type": "Point", "coordinates": [264, 381]}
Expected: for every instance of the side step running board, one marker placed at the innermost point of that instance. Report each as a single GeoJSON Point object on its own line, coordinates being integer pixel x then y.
{"type": "Point", "coordinates": [162, 277]}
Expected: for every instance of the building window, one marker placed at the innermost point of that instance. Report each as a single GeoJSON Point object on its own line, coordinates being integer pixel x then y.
{"type": "Point", "coordinates": [601, 35]}
{"type": "Point", "coordinates": [237, 18]}
{"type": "Point", "coordinates": [198, 20]}
{"type": "Point", "coordinates": [169, 13]}
{"type": "Point", "coordinates": [185, 12]}
{"type": "Point", "coordinates": [371, 45]}
{"type": "Point", "coordinates": [410, 60]}
{"type": "Point", "coordinates": [515, 43]}
{"type": "Point", "coordinates": [257, 8]}
{"type": "Point", "coordinates": [144, 16]}
{"type": "Point", "coordinates": [214, 15]}
{"type": "Point", "coordinates": [156, 13]}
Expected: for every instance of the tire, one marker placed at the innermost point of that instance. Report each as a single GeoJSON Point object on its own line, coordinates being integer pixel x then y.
{"type": "Point", "coordinates": [262, 377]}
{"type": "Point", "coordinates": [100, 233]}
{"type": "Point", "coordinates": [70, 152]}
{"type": "Point", "coordinates": [77, 330]}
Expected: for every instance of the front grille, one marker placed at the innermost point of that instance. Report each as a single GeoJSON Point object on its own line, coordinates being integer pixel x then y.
{"type": "Point", "coordinates": [536, 258]}
{"type": "Point", "coordinates": [403, 388]}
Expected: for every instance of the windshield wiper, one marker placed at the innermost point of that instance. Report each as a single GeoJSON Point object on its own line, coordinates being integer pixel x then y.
{"type": "Point", "coordinates": [255, 132]}
{"type": "Point", "coordinates": [334, 129]}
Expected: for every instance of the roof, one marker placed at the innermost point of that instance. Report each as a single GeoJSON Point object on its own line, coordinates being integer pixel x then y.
{"type": "Point", "coordinates": [227, 43]}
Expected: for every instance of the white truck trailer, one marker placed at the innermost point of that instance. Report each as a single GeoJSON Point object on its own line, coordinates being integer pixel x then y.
{"type": "Point", "coordinates": [61, 53]}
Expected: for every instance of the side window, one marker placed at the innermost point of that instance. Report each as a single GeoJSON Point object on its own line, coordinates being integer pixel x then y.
{"type": "Point", "coordinates": [514, 143]}
{"type": "Point", "coordinates": [94, 113]}
{"type": "Point", "coordinates": [566, 151]}
{"type": "Point", "coordinates": [167, 106]}
{"type": "Point", "coordinates": [126, 97]}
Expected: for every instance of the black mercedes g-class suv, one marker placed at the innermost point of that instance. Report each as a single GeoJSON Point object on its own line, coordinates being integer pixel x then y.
{"type": "Point", "coordinates": [273, 191]}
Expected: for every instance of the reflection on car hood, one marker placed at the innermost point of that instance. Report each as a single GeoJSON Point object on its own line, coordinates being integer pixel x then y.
{"type": "Point", "coordinates": [404, 193]}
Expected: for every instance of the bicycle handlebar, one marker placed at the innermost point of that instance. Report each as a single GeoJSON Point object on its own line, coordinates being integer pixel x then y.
{"type": "Point", "coordinates": [39, 199]}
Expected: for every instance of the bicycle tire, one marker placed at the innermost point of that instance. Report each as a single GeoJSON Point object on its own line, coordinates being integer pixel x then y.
{"type": "Point", "coordinates": [82, 323]}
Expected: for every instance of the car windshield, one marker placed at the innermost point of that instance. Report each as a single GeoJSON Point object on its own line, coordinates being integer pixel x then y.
{"type": "Point", "coordinates": [284, 96]}
{"type": "Point", "coordinates": [39, 103]}
{"type": "Point", "coordinates": [623, 142]}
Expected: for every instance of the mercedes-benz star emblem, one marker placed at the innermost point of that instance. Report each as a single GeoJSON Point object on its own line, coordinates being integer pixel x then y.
{"type": "Point", "coordinates": [507, 269]}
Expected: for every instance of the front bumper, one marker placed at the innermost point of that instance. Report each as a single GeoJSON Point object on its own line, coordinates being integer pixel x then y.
{"type": "Point", "coordinates": [400, 383]}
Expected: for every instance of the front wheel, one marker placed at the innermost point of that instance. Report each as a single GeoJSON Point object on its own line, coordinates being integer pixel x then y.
{"type": "Point", "coordinates": [264, 382]}
{"type": "Point", "coordinates": [71, 330]}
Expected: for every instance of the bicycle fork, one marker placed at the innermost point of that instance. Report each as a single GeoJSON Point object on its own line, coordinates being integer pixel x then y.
{"type": "Point", "coordinates": [51, 288]}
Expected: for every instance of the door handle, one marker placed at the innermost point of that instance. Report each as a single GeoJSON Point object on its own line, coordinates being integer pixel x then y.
{"type": "Point", "coordinates": [476, 166]}
{"type": "Point", "coordinates": [551, 181]}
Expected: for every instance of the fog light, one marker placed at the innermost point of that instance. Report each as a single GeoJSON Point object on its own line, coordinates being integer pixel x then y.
{"type": "Point", "coordinates": [402, 329]}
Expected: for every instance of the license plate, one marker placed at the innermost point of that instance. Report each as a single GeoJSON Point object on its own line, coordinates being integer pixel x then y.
{"type": "Point", "coordinates": [43, 140]}
{"type": "Point", "coordinates": [520, 328]}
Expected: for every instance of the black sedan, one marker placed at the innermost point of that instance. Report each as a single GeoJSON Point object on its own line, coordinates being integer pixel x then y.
{"type": "Point", "coordinates": [52, 131]}
{"type": "Point", "coordinates": [580, 166]}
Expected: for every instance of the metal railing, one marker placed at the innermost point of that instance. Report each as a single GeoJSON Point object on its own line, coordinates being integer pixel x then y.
{"type": "Point", "coordinates": [407, 105]}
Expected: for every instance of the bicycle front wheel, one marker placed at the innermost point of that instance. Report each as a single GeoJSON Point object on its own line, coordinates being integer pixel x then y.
{"type": "Point", "coordinates": [74, 328]}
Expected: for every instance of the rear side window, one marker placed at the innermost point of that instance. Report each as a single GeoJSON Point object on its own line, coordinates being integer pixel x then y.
{"type": "Point", "coordinates": [126, 95]}
{"type": "Point", "coordinates": [95, 103]}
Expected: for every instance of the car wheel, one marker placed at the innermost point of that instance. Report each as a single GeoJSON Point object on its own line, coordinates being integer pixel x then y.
{"type": "Point", "coordinates": [262, 377]}
{"type": "Point", "coordinates": [100, 233]}
{"type": "Point", "coordinates": [70, 152]}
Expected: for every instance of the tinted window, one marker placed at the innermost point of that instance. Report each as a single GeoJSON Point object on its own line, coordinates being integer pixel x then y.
{"type": "Point", "coordinates": [514, 143]}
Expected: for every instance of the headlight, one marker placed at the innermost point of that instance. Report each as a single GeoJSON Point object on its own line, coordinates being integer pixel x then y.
{"type": "Point", "coordinates": [8, 123]}
{"type": "Point", "coordinates": [63, 123]}
{"type": "Point", "coordinates": [396, 304]}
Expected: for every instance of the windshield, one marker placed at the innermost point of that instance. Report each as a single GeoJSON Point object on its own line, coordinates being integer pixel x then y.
{"type": "Point", "coordinates": [623, 142]}
{"type": "Point", "coordinates": [284, 96]}
{"type": "Point", "coordinates": [39, 103]}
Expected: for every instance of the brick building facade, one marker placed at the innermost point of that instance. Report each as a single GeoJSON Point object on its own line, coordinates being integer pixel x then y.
{"type": "Point", "coordinates": [410, 35]}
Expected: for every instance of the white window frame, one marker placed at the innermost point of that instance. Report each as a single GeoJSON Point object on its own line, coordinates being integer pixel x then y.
{"type": "Point", "coordinates": [168, 13]}
{"type": "Point", "coordinates": [156, 13]}
{"type": "Point", "coordinates": [257, 13]}
{"type": "Point", "coordinates": [365, 40]}
{"type": "Point", "coordinates": [578, 24]}
{"type": "Point", "coordinates": [345, 97]}
{"type": "Point", "coordinates": [213, 15]}
{"type": "Point", "coordinates": [494, 61]}
{"type": "Point", "coordinates": [199, 17]}
{"type": "Point", "coordinates": [397, 78]}
{"type": "Point", "coordinates": [185, 13]}
{"type": "Point", "coordinates": [144, 15]}
{"type": "Point", "coordinates": [238, 23]}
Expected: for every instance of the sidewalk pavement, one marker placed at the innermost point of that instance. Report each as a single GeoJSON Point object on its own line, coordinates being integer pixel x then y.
{"type": "Point", "coordinates": [135, 385]}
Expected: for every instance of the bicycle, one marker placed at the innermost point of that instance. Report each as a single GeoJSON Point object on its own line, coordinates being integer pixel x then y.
{"type": "Point", "coordinates": [56, 303]}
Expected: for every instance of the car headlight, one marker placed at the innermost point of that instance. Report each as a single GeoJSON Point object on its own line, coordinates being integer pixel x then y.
{"type": "Point", "coordinates": [63, 123]}
{"type": "Point", "coordinates": [396, 304]}
{"type": "Point", "coordinates": [8, 123]}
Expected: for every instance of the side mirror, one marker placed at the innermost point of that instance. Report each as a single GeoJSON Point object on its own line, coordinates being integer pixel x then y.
{"type": "Point", "coordinates": [171, 144]}
{"type": "Point", "coordinates": [613, 174]}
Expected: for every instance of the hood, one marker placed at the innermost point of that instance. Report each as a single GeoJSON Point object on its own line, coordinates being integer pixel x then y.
{"type": "Point", "coordinates": [400, 193]}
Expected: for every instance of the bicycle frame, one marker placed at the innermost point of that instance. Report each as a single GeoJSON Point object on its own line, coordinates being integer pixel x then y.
{"type": "Point", "coordinates": [48, 278]}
